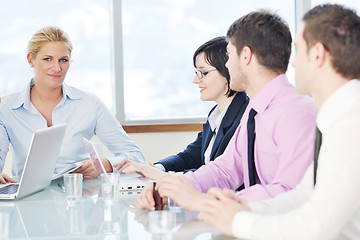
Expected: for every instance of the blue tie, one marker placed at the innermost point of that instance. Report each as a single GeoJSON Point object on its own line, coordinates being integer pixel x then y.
{"type": "Point", "coordinates": [251, 141]}
{"type": "Point", "coordinates": [318, 140]}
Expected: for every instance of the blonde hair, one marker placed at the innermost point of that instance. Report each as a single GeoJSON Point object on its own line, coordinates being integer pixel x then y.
{"type": "Point", "coordinates": [45, 35]}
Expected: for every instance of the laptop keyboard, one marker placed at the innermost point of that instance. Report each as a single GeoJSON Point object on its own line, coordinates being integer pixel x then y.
{"type": "Point", "coordinates": [9, 189]}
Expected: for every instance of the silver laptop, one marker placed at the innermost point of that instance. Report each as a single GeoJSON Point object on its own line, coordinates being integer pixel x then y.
{"type": "Point", "coordinates": [39, 164]}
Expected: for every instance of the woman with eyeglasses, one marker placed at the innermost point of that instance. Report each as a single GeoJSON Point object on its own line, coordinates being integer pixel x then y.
{"type": "Point", "coordinates": [213, 80]}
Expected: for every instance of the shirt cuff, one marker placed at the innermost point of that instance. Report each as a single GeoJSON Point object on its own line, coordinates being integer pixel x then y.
{"type": "Point", "coordinates": [113, 160]}
{"type": "Point", "coordinates": [257, 207]}
{"type": "Point", "coordinates": [242, 224]}
{"type": "Point", "coordinates": [160, 166]}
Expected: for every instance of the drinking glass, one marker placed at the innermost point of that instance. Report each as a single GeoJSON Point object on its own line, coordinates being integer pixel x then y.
{"type": "Point", "coordinates": [73, 187]}
{"type": "Point", "coordinates": [110, 187]}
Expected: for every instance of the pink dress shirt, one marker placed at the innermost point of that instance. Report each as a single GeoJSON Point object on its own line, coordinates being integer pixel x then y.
{"type": "Point", "coordinates": [284, 145]}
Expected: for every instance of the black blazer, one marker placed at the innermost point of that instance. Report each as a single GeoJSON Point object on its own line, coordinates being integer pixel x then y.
{"type": "Point", "coordinates": [193, 156]}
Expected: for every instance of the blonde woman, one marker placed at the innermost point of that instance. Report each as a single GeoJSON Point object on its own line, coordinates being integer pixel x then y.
{"type": "Point", "coordinates": [48, 101]}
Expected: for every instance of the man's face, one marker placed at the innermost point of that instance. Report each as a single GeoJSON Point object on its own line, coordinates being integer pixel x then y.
{"type": "Point", "coordinates": [237, 77]}
{"type": "Point", "coordinates": [301, 63]}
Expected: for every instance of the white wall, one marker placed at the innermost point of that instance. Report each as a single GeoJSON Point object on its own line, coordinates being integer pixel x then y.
{"type": "Point", "coordinates": [156, 146]}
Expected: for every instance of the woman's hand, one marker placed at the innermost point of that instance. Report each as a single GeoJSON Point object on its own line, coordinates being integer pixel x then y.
{"type": "Point", "coordinates": [88, 169]}
{"type": "Point", "coordinates": [4, 178]}
{"type": "Point", "coordinates": [146, 170]}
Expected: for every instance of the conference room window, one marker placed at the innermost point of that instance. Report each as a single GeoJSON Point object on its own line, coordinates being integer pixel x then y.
{"type": "Point", "coordinates": [159, 39]}
{"type": "Point", "coordinates": [88, 24]}
{"type": "Point", "coordinates": [136, 55]}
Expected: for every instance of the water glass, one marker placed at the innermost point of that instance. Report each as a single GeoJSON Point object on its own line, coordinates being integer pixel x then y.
{"type": "Point", "coordinates": [110, 187]}
{"type": "Point", "coordinates": [173, 206]}
{"type": "Point", "coordinates": [73, 187]}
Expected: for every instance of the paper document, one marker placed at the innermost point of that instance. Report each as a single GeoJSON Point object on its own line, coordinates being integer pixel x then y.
{"type": "Point", "coordinates": [69, 168]}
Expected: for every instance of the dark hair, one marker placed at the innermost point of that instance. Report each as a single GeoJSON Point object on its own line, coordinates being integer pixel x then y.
{"type": "Point", "coordinates": [338, 29]}
{"type": "Point", "coordinates": [216, 55]}
{"type": "Point", "coordinates": [267, 35]}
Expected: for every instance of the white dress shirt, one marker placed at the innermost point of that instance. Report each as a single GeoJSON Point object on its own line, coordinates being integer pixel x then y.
{"type": "Point", "coordinates": [331, 210]}
{"type": "Point", "coordinates": [215, 120]}
{"type": "Point", "coordinates": [84, 114]}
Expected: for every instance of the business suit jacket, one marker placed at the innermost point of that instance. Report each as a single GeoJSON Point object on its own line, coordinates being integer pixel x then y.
{"type": "Point", "coordinates": [193, 156]}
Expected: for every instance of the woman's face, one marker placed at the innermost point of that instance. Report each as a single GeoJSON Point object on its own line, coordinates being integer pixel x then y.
{"type": "Point", "coordinates": [213, 86]}
{"type": "Point", "coordinates": [50, 64]}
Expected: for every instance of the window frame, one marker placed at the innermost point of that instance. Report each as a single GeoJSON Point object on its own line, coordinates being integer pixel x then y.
{"type": "Point", "coordinates": [157, 125]}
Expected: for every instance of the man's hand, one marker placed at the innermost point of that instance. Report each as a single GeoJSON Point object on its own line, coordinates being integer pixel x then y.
{"type": "Point", "coordinates": [179, 189]}
{"type": "Point", "coordinates": [4, 178]}
{"type": "Point", "coordinates": [146, 198]}
{"type": "Point", "coordinates": [173, 186]}
{"type": "Point", "coordinates": [220, 209]}
{"type": "Point", "coordinates": [148, 170]}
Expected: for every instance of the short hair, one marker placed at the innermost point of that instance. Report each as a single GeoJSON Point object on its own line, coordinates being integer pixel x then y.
{"type": "Point", "coordinates": [45, 35]}
{"type": "Point", "coordinates": [216, 55]}
{"type": "Point", "coordinates": [338, 29]}
{"type": "Point", "coordinates": [267, 35]}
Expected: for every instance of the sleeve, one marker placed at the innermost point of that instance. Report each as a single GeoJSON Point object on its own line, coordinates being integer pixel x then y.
{"type": "Point", "coordinates": [330, 206]}
{"type": "Point", "coordinates": [188, 159]}
{"type": "Point", "coordinates": [224, 172]}
{"type": "Point", "coordinates": [4, 145]}
{"type": "Point", "coordinates": [294, 135]}
{"type": "Point", "coordinates": [111, 133]}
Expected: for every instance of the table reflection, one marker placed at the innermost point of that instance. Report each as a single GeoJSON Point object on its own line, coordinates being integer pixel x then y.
{"type": "Point", "coordinates": [74, 219]}
{"type": "Point", "coordinates": [46, 215]}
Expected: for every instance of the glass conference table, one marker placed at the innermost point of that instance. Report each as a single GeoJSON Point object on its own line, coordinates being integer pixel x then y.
{"type": "Point", "coordinates": [46, 215]}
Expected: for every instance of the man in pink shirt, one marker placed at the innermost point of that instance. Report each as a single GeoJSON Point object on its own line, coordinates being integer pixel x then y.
{"type": "Point", "coordinates": [325, 204]}
{"type": "Point", "coordinates": [259, 50]}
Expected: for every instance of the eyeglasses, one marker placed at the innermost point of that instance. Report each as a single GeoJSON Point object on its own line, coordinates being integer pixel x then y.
{"type": "Point", "coordinates": [202, 74]}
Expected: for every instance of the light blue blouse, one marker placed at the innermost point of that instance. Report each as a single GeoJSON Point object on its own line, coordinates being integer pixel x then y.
{"type": "Point", "coordinates": [84, 114]}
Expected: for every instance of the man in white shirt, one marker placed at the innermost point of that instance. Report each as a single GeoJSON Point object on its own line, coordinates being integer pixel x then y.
{"type": "Point", "coordinates": [327, 67]}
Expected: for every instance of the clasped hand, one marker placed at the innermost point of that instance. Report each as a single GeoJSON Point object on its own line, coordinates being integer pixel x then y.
{"type": "Point", "coordinates": [220, 209]}
{"type": "Point", "coordinates": [173, 186]}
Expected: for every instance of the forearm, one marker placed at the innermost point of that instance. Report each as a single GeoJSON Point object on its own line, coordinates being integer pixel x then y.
{"type": "Point", "coordinates": [218, 173]}
{"type": "Point", "coordinates": [187, 159]}
{"type": "Point", "coordinates": [111, 133]}
{"type": "Point", "coordinates": [320, 212]}
{"type": "Point", "coordinates": [4, 146]}
{"type": "Point", "coordinates": [133, 156]}
{"type": "Point", "coordinates": [107, 165]}
{"type": "Point", "coordinates": [287, 201]}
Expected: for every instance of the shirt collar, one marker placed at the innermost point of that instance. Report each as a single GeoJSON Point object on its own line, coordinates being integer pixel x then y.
{"type": "Point", "coordinates": [70, 93]}
{"type": "Point", "coordinates": [263, 98]}
{"type": "Point", "coordinates": [337, 104]}
{"type": "Point", "coordinates": [216, 117]}
{"type": "Point", "coordinates": [24, 97]}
